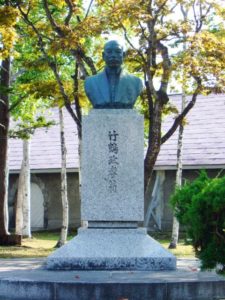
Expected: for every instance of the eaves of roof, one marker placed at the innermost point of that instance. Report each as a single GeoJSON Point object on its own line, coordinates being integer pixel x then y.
{"type": "Point", "coordinates": [47, 171]}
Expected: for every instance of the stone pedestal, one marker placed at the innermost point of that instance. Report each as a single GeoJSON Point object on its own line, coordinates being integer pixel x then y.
{"type": "Point", "coordinates": [112, 199]}
{"type": "Point", "coordinates": [112, 166]}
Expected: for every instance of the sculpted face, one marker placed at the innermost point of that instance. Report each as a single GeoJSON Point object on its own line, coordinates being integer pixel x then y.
{"type": "Point", "coordinates": [113, 54]}
{"type": "Point", "coordinates": [111, 88]}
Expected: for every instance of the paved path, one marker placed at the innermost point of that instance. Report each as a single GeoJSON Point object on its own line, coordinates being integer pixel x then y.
{"type": "Point", "coordinates": [27, 277]}
{"type": "Point", "coordinates": [188, 269]}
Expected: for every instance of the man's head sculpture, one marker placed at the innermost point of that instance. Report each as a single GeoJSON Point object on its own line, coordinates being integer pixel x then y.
{"type": "Point", "coordinates": [113, 88]}
{"type": "Point", "coordinates": [113, 54]}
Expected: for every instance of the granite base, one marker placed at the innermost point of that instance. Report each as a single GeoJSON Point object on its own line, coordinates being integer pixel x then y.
{"type": "Point", "coordinates": [112, 249]}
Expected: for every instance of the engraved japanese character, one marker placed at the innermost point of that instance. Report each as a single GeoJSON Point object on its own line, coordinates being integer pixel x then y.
{"type": "Point", "coordinates": [112, 186]}
{"type": "Point", "coordinates": [113, 160]}
{"type": "Point", "coordinates": [113, 135]}
{"type": "Point", "coordinates": [113, 147]}
{"type": "Point", "coordinates": [113, 171]}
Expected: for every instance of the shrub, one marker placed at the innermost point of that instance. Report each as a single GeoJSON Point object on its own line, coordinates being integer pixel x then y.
{"type": "Point", "coordinates": [182, 197]}
{"type": "Point", "coordinates": [200, 206]}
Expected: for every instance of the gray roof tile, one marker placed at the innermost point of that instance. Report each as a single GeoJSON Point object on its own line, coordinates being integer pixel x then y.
{"type": "Point", "coordinates": [204, 135]}
{"type": "Point", "coordinates": [45, 146]}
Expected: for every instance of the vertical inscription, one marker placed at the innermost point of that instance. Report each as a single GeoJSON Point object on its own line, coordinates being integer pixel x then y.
{"type": "Point", "coordinates": [112, 161]}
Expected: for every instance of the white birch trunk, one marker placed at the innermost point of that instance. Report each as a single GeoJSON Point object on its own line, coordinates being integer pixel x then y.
{"type": "Point", "coordinates": [23, 195]}
{"type": "Point", "coordinates": [176, 225]}
{"type": "Point", "coordinates": [19, 204]}
{"type": "Point", "coordinates": [64, 197]}
{"type": "Point", "coordinates": [6, 207]}
{"type": "Point", "coordinates": [26, 189]}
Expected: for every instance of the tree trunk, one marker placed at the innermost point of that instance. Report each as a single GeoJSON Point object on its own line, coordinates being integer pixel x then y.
{"type": "Point", "coordinates": [4, 126]}
{"type": "Point", "coordinates": [154, 142]}
{"type": "Point", "coordinates": [23, 195]}
{"type": "Point", "coordinates": [64, 197]}
{"type": "Point", "coordinates": [26, 232]}
{"type": "Point", "coordinates": [175, 229]}
{"type": "Point", "coordinates": [6, 210]}
{"type": "Point", "coordinates": [176, 225]}
{"type": "Point", "coordinates": [19, 202]}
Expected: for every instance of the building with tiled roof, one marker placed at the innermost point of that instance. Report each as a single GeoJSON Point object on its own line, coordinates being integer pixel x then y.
{"type": "Point", "coordinates": [203, 148]}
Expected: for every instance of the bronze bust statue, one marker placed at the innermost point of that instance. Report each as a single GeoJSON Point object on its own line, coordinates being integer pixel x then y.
{"type": "Point", "coordinates": [113, 88]}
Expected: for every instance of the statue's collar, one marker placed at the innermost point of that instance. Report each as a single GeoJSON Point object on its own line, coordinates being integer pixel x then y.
{"type": "Point", "coordinates": [110, 71]}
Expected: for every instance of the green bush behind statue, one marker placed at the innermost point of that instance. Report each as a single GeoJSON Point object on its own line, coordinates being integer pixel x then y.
{"type": "Point", "coordinates": [200, 206]}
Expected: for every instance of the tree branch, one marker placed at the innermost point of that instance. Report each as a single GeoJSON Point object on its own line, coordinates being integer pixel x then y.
{"type": "Point", "coordinates": [70, 13]}
{"type": "Point", "coordinates": [150, 104]}
{"type": "Point", "coordinates": [131, 44]}
{"type": "Point", "coordinates": [89, 8]}
{"type": "Point", "coordinates": [184, 11]}
{"type": "Point", "coordinates": [143, 31]}
{"type": "Point", "coordinates": [63, 93]}
{"type": "Point", "coordinates": [88, 60]}
{"type": "Point", "coordinates": [181, 116]}
{"type": "Point", "coordinates": [163, 16]}
{"type": "Point", "coordinates": [14, 105]}
{"type": "Point", "coordinates": [149, 82]}
{"type": "Point", "coordinates": [194, 12]}
{"type": "Point", "coordinates": [166, 67]}
{"type": "Point", "coordinates": [76, 96]}
{"type": "Point", "coordinates": [160, 7]}
{"type": "Point", "coordinates": [29, 8]}
{"type": "Point", "coordinates": [56, 28]}
{"type": "Point", "coordinates": [54, 25]}
{"type": "Point", "coordinates": [151, 49]}
{"type": "Point", "coordinates": [202, 16]}
{"type": "Point", "coordinates": [53, 67]}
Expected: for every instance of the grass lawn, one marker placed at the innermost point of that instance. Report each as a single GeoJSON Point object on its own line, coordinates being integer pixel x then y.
{"type": "Point", "coordinates": [183, 250]}
{"type": "Point", "coordinates": [42, 244]}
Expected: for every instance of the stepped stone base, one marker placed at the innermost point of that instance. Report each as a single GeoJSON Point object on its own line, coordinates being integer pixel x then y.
{"type": "Point", "coordinates": [112, 249]}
